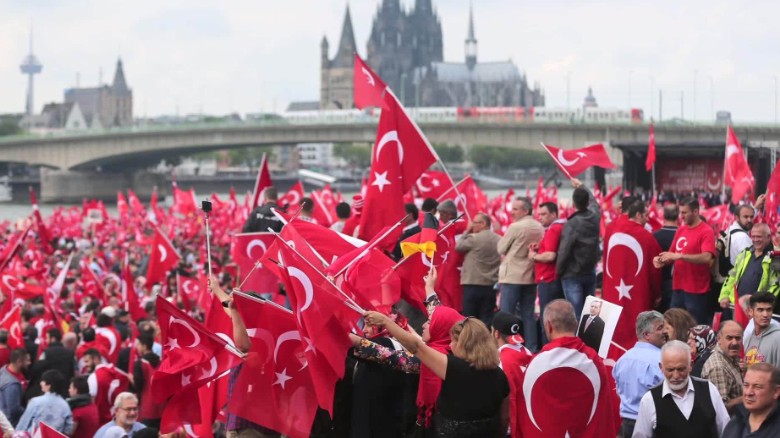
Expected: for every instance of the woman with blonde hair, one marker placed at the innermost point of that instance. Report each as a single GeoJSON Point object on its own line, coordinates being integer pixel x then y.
{"type": "Point", "coordinates": [474, 396]}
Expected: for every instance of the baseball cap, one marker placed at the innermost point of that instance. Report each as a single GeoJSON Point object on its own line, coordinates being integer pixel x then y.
{"type": "Point", "coordinates": [506, 323]}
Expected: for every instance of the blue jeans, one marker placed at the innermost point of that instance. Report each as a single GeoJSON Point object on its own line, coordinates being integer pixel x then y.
{"type": "Point", "coordinates": [523, 296]}
{"type": "Point", "coordinates": [697, 305]}
{"type": "Point", "coordinates": [575, 289]}
{"type": "Point", "coordinates": [479, 301]}
{"type": "Point", "coordinates": [548, 292]}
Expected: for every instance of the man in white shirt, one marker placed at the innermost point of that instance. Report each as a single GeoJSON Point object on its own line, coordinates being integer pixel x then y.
{"type": "Point", "coordinates": [682, 405]}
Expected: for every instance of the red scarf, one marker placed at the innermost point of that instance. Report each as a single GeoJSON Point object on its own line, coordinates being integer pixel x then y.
{"type": "Point", "coordinates": [20, 377]}
{"type": "Point", "coordinates": [442, 320]}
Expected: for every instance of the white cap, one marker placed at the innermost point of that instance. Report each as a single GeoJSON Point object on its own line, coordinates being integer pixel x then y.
{"type": "Point", "coordinates": [108, 310]}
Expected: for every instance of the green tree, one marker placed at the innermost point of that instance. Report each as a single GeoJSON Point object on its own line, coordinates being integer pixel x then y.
{"type": "Point", "coordinates": [355, 154]}
{"type": "Point", "coordinates": [449, 154]}
{"type": "Point", "coordinates": [494, 158]}
{"type": "Point", "coordinates": [248, 156]}
{"type": "Point", "coordinates": [9, 125]}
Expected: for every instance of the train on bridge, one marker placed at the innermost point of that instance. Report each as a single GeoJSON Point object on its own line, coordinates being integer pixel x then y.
{"type": "Point", "coordinates": [465, 114]}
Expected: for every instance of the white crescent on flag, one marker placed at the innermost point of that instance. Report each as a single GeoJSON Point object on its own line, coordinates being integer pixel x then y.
{"type": "Point", "coordinates": [387, 138]}
{"type": "Point", "coordinates": [629, 242]}
{"type": "Point", "coordinates": [566, 162]}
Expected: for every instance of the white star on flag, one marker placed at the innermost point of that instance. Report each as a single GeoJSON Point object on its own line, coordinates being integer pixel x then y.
{"type": "Point", "coordinates": [282, 378]}
{"type": "Point", "coordinates": [172, 344]}
{"type": "Point", "coordinates": [623, 290]}
{"type": "Point", "coordinates": [185, 380]}
{"type": "Point", "coordinates": [380, 180]}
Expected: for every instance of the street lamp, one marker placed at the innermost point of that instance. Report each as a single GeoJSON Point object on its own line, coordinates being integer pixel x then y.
{"type": "Point", "coordinates": [695, 78]}
{"type": "Point", "coordinates": [712, 96]}
{"type": "Point", "coordinates": [630, 73]}
{"type": "Point", "coordinates": [652, 97]}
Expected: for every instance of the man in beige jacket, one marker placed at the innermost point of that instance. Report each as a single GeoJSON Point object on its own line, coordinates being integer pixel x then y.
{"type": "Point", "coordinates": [480, 268]}
{"type": "Point", "coordinates": [516, 273]}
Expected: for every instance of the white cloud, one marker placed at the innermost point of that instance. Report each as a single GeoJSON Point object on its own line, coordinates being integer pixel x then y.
{"type": "Point", "coordinates": [250, 56]}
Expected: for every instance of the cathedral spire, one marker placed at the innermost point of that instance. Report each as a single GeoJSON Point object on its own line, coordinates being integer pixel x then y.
{"type": "Point", "coordinates": [347, 47]}
{"type": "Point", "coordinates": [471, 42]}
{"type": "Point", "coordinates": [120, 84]}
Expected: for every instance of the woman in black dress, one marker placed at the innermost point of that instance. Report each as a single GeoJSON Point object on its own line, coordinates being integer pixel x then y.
{"type": "Point", "coordinates": [474, 396]}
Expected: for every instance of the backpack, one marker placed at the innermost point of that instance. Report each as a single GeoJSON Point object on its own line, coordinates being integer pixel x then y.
{"type": "Point", "coordinates": [723, 245]}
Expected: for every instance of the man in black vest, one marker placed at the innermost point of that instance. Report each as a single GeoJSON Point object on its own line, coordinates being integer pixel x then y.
{"type": "Point", "coordinates": [681, 406]}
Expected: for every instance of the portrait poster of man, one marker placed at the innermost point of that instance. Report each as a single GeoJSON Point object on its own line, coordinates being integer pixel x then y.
{"type": "Point", "coordinates": [597, 324]}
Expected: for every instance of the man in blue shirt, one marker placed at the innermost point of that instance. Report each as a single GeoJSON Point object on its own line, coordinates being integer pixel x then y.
{"type": "Point", "coordinates": [637, 370]}
{"type": "Point", "coordinates": [125, 416]}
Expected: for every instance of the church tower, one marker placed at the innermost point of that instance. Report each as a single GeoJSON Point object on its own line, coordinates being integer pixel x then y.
{"type": "Point", "coordinates": [336, 74]}
{"type": "Point", "coordinates": [471, 43]}
{"type": "Point", "coordinates": [425, 27]}
{"type": "Point", "coordinates": [390, 45]}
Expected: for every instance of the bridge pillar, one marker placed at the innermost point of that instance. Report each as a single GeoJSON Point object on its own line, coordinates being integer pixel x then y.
{"type": "Point", "coordinates": [67, 186]}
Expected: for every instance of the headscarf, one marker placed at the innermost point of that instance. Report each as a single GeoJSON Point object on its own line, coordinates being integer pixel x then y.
{"type": "Point", "coordinates": [441, 321]}
{"type": "Point", "coordinates": [705, 338]}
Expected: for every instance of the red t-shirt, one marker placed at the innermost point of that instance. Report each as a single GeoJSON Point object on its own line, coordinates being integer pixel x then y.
{"type": "Point", "coordinates": [690, 277]}
{"type": "Point", "coordinates": [545, 272]}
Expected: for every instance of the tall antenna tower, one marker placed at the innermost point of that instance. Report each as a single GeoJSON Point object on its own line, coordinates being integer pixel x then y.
{"type": "Point", "coordinates": [31, 67]}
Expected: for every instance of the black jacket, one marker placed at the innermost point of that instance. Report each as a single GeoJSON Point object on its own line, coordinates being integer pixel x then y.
{"type": "Point", "coordinates": [55, 357]}
{"type": "Point", "coordinates": [578, 252]}
{"type": "Point", "coordinates": [261, 218]}
{"type": "Point", "coordinates": [769, 428]}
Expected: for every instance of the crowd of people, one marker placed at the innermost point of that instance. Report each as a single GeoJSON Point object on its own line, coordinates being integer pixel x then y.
{"type": "Point", "coordinates": [495, 360]}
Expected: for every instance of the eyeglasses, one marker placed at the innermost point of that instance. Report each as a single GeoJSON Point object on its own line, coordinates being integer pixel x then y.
{"type": "Point", "coordinates": [463, 323]}
{"type": "Point", "coordinates": [130, 409]}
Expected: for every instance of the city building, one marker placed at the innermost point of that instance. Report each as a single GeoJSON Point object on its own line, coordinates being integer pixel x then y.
{"type": "Point", "coordinates": [406, 50]}
{"type": "Point", "coordinates": [105, 106]}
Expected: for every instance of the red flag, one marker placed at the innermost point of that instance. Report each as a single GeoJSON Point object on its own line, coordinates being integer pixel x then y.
{"type": "Point", "coordinates": [122, 208]}
{"type": "Point", "coordinates": [13, 323]}
{"type": "Point", "coordinates": [630, 280]}
{"type": "Point", "coordinates": [183, 201]}
{"type": "Point", "coordinates": [566, 363]}
{"type": "Point", "coordinates": [109, 382]}
{"type": "Point", "coordinates": [433, 184]}
{"type": "Point", "coordinates": [328, 243]}
{"type": "Point", "coordinates": [324, 321]}
{"type": "Point", "coordinates": [135, 204]}
{"type": "Point", "coordinates": [773, 197]}
{"type": "Point", "coordinates": [573, 162]}
{"type": "Point", "coordinates": [324, 213]}
{"type": "Point", "coordinates": [401, 154]}
{"type": "Point", "coordinates": [293, 196]}
{"type": "Point", "coordinates": [369, 278]}
{"type": "Point", "coordinates": [189, 290]}
{"type": "Point", "coordinates": [368, 87]}
{"type": "Point", "coordinates": [274, 387]}
{"type": "Point", "coordinates": [737, 172]}
{"type": "Point", "coordinates": [12, 286]}
{"type": "Point", "coordinates": [192, 355]}
{"type": "Point", "coordinates": [45, 431]}
{"type": "Point", "coordinates": [650, 161]}
{"type": "Point", "coordinates": [43, 233]}
{"type": "Point", "coordinates": [246, 249]}
{"type": "Point", "coordinates": [12, 247]}
{"type": "Point", "coordinates": [263, 181]}
{"type": "Point", "coordinates": [162, 258]}
{"type": "Point", "coordinates": [739, 312]}
{"type": "Point", "coordinates": [130, 296]}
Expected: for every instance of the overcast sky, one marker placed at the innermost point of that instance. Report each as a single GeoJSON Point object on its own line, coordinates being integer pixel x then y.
{"type": "Point", "coordinates": [251, 56]}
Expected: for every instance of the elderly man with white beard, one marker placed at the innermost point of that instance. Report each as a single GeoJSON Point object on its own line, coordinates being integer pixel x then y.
{"type": "Point", "coordinates": [682, 405]}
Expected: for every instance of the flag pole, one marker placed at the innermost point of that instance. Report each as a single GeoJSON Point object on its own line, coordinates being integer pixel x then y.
{"type": "Point", "coordinates": [443, 229]}
{"type": "Point", "coordinates": [565, 172]}
{"type": "Point", "coordinates": [322, 259]}
{"type": "Point", "coordinates": [371, 245]}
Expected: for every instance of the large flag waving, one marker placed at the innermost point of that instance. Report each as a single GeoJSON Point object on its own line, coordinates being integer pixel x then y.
{"type": "Point", "coordinates": [246, 249]}
{"type": "Point", "coordinates": [368, 87]}
{"type": "Point", "coordinates": [737, 173]}
{"type": "Point", "coordinates": [566, 363]}
{"type": "Point", "coordinates": [400, 155]}
{"type": "Point", "coordinates": [573, 162]}
{"type": "Point", "coordinates": [274, 387]}
{"type": "Point", "coordinates": [630, 280]}
{"type": "Point", "coordinates": [162, 259]}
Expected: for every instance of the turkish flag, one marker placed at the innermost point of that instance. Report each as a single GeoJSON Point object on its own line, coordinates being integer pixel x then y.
{"type": "Point", "coordinates": [401, 154]}
{"type": "Point", "coordinates": [448, 280]}
{"type": "Point", "coordinates": [162, 259]}
{"type": "Point", "coordinates": [109, 340]}
{"type": "Point", "coordinates": [737, 172]}
{"type": "Point", "coordinates": [189, 290]}
{"type": "Point", "coordinates": [650, 161]}
{"type": "Point", "coordinates": [368, 86]}
{"type": "Point", "coordinates": [573, 162]}
{"type": "Point", "coordinates": [43, 233]}
{"type": "Point", "coordinates": [108, 381]}
{"type": "Point", "coordinates": [45, 431]}
{"type": "Point", "coordinates": [12, 247]}
{"type": "Point", "coordinates": [13, 323]}
{"type": "Point", "coordinates": [328, 243]}
{"type": "Point", "coordinates": [246, 250]}
{"type": "Point", "coordinates": [92, 284]}
{"type": "Point", "coordinates": [432, 184]}
{"type": "Point", "coordinates": [11, 285]}
{"type": "Point", "coordinates": [324, 213]}
{"type": "Point", "coordinates": [192, 354]}
{"type": "Point", "coordinates": [369, 278]}
{"type": "Point", "coordinates": [190, 411]}
{"type": "Point", "coordinates": [183, 201]}
{"type": "Point", "coordinates": [324, 320]}
{"type": "Point", "coordinates": [274, 387]}
{"type": "Point", "coordinates": [630, 280]}
{"type": "Point", "coordinates": [130, 296]}
{"type": "Point", "coordinates": [773, 197]}
{"type": "Point", "coordinates": [293, 196]}
{"type": "Point", "coordinates": [468, 197]}
{"type": "Point", "coordinates": [263, 181]}
{"type": "Point", "coordinates": [412, 271]}
{"type": "Point", "coordinates": [135, 204]}
{"type": "Point", "coordinates": [566, 363]}
{"type": "Point", "coordinates": [514, 360]}
{"type": "Point", "coordinates": [122, 208]}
